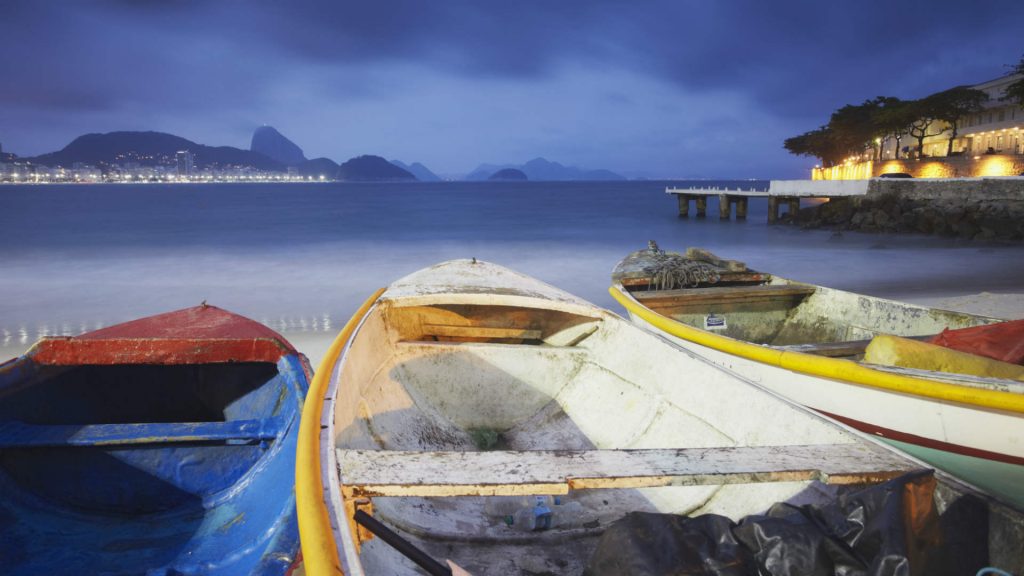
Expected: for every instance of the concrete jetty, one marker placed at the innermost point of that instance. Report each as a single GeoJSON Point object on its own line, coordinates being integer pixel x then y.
{"type": "Point", "coordinates": [778, 193]}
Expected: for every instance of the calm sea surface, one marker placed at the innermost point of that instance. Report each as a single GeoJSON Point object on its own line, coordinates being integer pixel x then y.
{"type": "Point", "coordinates": [302, 257]}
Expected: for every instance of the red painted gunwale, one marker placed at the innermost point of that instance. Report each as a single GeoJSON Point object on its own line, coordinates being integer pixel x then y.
{"type": "Point", "coordinates": [200, 335]}
{"type": "Point", "coordinates": [925, 442]}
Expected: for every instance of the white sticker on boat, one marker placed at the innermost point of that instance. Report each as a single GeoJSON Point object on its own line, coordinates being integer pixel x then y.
{"type": "Point", "coordinates": [712, 322]}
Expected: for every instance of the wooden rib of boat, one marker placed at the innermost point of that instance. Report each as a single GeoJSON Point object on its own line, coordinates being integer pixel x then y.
{"type": "Point", "coordinates": [466, 383]}
{"type": "Point", "coordinates": [165, 445]}
{"type": "Point", "coordinates": [807, 343]}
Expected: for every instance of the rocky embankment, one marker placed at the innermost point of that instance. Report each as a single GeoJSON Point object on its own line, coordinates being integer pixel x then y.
{"type": "Point", "coordinates": [978, 209]}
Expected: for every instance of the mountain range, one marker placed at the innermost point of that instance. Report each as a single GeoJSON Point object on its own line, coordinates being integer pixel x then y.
{"type": "Point", "coordinates": [268, 141]}
{"type": "Point", "coordinates": [271, 151]}
{"type": "Point", "coordinates": [150, 149]}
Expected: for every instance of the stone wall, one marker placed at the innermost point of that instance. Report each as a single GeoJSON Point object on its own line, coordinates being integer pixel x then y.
{"type": "Point", "coordinates": [956, 166]}
{"type": "Point", "coordinates": [980, 209]}
{"type": "Point", "coordinates": [986, 165]}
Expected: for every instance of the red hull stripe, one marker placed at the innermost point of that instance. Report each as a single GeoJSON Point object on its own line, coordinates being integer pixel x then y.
{"type": "Point", "coordinates": [199, 335]}
{"type": "Point", "coordinates": [925, 442]}
{"type": "Point", "coordinates": [162, 351]}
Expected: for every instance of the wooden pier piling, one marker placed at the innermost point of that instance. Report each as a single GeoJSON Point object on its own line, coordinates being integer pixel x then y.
{"type": "Point", "coordinates": [684, 205]}
{"type": "Point", "coordinates": [788, 192]}
{"type": "Point", "coordinates": [725, 202]}
{"type": "Point", "coordinates": [723, 207]}
{"type": "Point", "coordinates": [701, 200]}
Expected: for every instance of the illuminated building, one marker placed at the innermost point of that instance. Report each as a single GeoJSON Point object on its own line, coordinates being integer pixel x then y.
{"type": "Point", "coordinates": [997, 129]}
{"type": "Point", "coordinates": [185, 163]}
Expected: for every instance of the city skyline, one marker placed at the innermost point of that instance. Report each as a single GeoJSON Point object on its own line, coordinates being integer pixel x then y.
{"type": "Point", "coordinates": [661, 89]}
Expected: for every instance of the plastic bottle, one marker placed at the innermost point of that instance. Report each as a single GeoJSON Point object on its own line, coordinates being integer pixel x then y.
{"type": "Point", "coordinates": [532, 518]}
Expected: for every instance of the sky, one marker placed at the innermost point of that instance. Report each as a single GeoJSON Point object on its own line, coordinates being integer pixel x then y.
{"type": "Point", "coordinates": [661, 89]}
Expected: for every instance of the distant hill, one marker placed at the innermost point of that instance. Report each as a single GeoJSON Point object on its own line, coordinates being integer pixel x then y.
{"type": "Point", "coordinates": [542, 169]}
{"type": "Point", "coordinates": [150, 149]}
{"type": "Point", "coordinates": [372, 169]}
{"type": "Point", "coordinates": [508, 174]}
{"type": "Point", "coordinates": [421, 172]}
{"type": "Point", "coordinates": [268, 141]}
{"type": "Point", "coordinates": [484, 171]}
{"type": "Point", "coordinates": [318, 167]}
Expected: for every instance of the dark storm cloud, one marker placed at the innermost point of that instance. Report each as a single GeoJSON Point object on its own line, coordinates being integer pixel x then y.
{"type": "Point", "coordinates": [764, 47]}
{"type": "Point", "coordinates": [793, 61]}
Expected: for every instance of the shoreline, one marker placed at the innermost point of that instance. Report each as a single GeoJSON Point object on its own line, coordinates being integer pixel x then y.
{"type": "Point", "coordinates": [1006, 305]}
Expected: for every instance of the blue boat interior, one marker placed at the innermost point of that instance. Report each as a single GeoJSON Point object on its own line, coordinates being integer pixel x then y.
{"type": "Point", "coordinates": [146, 469]}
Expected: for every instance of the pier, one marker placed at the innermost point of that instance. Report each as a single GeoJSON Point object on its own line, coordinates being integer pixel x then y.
{"type": "Point", "coordinates": [778, 193]}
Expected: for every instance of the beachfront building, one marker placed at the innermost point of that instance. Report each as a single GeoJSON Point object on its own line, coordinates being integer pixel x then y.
{"type": "Point", "coordinates": [998, 129]}
{"type": "Point", "coordinates": [989, 143]}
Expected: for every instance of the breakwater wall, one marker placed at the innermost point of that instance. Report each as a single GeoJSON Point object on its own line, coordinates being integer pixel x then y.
{"type": "Point", "coordinates": [983, 166]}
{"type": "Point", "coordinates": [973, 208]}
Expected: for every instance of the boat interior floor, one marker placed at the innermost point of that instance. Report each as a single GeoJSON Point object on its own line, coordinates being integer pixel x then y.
{"type": "Point", "coordinates": [119, 469]}
{"type": "Point", "coordinates": [800, 317]}
{"type": "Point", "coordinates": [431, 433]}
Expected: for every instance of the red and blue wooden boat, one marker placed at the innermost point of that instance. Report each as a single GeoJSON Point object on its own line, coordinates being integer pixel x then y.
{"type": "Point", "coordinates": [160, 446]}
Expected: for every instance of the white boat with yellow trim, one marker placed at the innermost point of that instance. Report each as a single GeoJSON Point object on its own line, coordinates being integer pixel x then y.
{"type": "Point", "coordinates": [466, 384]}
{"type": "Point", "coordinates": [824, 348]}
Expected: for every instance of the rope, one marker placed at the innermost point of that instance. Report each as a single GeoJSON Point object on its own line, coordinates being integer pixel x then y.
{"type": "Point", "coordinates": [676, 271]}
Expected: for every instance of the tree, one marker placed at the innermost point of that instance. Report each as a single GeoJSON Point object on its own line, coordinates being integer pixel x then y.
{"type": "Point", "coordinates": [852, 129]}
{"type": "Point", "coordinates": [894, 120]}
{"type": "Point", "coordinates": [819, 143]}
{"type": "Point", "coordinates": [952, 105]}
{"type": "Point", "coordinates": [925, 113]}
{"type": "Point", "coordinates": [1015, 91]}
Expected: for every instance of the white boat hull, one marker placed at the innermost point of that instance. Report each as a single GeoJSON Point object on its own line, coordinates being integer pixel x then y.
{"type": "Point", "coordinates": [967, 441]}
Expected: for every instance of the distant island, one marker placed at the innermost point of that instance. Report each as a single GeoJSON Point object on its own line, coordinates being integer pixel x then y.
{"type": "Point", "coordinates": [541, 169]}
{"type": "Point", "coordinates": [372, 169]}
{"type": "Point", "coordinates": [508, 174]}
{"type": "Point", "coordinates": [421, 172]}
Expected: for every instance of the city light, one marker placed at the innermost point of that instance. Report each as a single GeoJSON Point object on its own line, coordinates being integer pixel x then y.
{"type": "Point", "coordinates": [133, 173]}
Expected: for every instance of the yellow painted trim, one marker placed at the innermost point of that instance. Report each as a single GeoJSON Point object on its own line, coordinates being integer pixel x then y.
{"type": "Point", "coordinates": [319, 552]}
{"type": "Point", "coordinates": [824, 367]}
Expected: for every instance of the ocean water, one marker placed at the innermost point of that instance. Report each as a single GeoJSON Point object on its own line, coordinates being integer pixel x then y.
{"type": "Point", "coordinates": [301, 257]}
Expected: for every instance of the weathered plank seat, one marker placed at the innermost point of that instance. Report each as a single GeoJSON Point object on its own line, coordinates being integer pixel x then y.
{"type": "Point", "coordinates": [450, 331]}
{"type": "Point", "coordinates": [15, 434]}
{"type": "Point", "coordinates": [724, 295]}
{"type": "Point", "coordinates": [490, 473]}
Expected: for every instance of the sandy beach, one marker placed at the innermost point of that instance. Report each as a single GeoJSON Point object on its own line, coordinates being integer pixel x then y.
{"type": "Point", "coordinates": [1009, 306]}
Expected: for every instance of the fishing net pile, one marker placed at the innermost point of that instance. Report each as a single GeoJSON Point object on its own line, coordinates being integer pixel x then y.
{"type": "Point", "coordinates": [669, 270]}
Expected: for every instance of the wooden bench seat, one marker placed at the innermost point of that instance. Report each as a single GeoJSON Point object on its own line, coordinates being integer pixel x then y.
{"type": "Point", "coordinates": [451, 331]}
{"type": "Point", "coordinates": [723, 295]}
{"type": "Point", "coordinates": [396, 473]}
{"type": "Point", "coordinates": [15, 434]}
